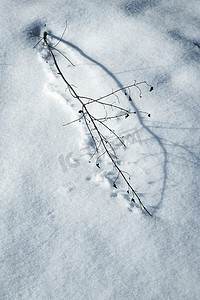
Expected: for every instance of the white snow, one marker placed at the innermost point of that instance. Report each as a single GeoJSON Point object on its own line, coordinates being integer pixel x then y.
{"type": "Point", "coordinates": [66, 233]}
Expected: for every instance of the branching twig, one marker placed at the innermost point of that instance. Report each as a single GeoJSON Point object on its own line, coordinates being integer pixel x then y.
{"type": "Point", "coordinates": [94, 124]}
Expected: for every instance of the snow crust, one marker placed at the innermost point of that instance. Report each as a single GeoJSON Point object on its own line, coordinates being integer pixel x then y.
{"type": "Point", "coordinates": [65, 232]}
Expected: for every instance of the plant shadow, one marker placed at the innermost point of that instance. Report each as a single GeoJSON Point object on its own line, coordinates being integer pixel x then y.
{"type": "Point", "coordinates": [161, 142]}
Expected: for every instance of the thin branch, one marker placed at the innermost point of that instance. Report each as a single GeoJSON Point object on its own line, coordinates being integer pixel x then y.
{"type": "Point", "coordinates": [91, 123]}
{"type": "Point", "coordinates": [53, 47]}
{"type": "Point", "coordinates": [38, 43]}
{"type": "Point", "coordinates": [73, 121]}
{"type": "Point", "coordinates": [61, 35]}
{"type": "Point", "coordinates": [99, 120]}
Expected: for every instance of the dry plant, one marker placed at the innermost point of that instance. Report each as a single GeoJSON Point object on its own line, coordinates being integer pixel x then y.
{"type": "Point", "coordinates": [97, 125]}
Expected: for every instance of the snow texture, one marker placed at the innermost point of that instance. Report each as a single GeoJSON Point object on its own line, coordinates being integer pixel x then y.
{"type": "Point", "coordinates": [65, 232]}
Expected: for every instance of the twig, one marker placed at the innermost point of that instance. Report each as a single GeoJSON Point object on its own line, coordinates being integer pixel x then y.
{"type": "Point", "coordinates": [92, 123]}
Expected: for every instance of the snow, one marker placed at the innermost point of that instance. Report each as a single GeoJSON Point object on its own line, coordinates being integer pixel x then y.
{"type": "Point", "coordinates": [66, 233]}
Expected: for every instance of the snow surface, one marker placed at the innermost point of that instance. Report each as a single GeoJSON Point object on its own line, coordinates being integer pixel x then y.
{"type": "Point", "coordinates": [65, 233]}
